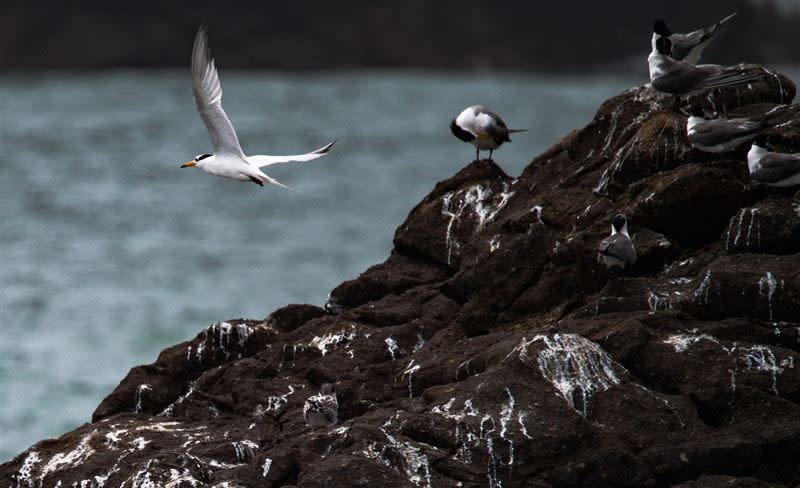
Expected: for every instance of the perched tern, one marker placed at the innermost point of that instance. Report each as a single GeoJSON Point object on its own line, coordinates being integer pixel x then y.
{"type": "Point", "coordinates": [678, 78]}
{"type": "Point", "coordinates": [228, 160]}
{"type": "Point", "coordinates": [322, 410]}
{"type": "Point", "coordinates": [771, 168]}
{"type": "Point", "coordinates": [482, 128]}
{"type": "Point", "coordinates": [688, 47]}
{"type": "Point", "coordinates": [719, 135]}
{"type": "Point", "coordinates": [617, 249]}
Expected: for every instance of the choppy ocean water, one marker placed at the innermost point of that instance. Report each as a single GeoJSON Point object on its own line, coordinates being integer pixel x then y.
{"type": "Point", "coordinates": [111, 253]}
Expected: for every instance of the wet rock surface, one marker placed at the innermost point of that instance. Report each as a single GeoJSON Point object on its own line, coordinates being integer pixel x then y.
{"type": "Point", "coordinates": [491, 350]}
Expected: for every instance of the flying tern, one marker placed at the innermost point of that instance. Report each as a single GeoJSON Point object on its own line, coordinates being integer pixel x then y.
{"type": "Point", "coordinates": [228, 159]}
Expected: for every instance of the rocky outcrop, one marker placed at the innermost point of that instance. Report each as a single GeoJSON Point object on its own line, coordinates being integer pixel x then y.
{"type": "Point", "coordinates": [491, 350]}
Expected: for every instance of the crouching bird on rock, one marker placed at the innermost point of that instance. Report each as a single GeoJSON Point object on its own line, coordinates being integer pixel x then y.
{"type": "Point", "coordinates": [482, 128]}
{"type": "Point", "coordinates": [616, 250]}
{"type": "Point", "coordinates": [322, 410]}
{"type": "Point", "coordinates": [772, 168]}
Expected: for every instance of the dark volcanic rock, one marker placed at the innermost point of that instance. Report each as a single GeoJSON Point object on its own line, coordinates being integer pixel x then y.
{"type": "Point", "coordinates": [491, 349]}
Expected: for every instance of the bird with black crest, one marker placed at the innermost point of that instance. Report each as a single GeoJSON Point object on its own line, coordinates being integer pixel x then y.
{"type": "Point", "coordinates": [616, 250]}
{"type": "Point", "coordinates": [678, 78]}
{"type": "Point", "coordinates": [688, 47]}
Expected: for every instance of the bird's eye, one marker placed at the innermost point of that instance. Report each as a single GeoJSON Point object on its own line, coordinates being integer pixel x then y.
{"type": "Point", "coordinates": [200, 157]}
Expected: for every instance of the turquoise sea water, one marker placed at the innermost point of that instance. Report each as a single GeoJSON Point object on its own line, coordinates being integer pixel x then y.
{"type": "Point", "coordinates": [111, 253]}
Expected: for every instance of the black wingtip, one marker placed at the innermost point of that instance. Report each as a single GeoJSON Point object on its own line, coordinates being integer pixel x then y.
{"type": "Point", "coordinates": [326, 148]}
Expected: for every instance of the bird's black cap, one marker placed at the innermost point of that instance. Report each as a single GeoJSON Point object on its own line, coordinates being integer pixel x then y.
{"type": "Point", "coordinates": [619, 221]}
{"type": "Point", "coordinates": [762, 140]}
{"type": "Point", "coordinates": [697, 111]}
{"type": "Point", "coordinates": [660, 28]}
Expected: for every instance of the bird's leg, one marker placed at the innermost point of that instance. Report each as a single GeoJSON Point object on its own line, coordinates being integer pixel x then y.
{"type": "Point", "coordinates": [477, 154]}
{"type": "Point", "coordinates": [490, 154]}
{"type": "Point", "coordinates": [677, 105]}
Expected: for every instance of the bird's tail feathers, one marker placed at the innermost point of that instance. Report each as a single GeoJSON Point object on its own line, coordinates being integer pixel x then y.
{"type": "Point", "coordinates": [511, 131]}
{"type": "Point", "coordinates": [727, 18]}
{"type": "Point", "coordinates": [713, 32]}
{"type": "Point", "coordinates": [778, 112]}
{"type": "Point", "coordinates": [728, 79]}
{"type": "Point", "coordinates": [272, 181]}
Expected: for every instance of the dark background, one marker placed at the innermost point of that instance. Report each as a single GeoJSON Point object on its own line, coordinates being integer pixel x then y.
{"type": "Point", "coordinates": [564, 36]}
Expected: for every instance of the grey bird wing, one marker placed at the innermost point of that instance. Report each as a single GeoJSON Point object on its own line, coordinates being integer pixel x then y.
{"type": "Point", "coordinates": [688, 47]}
{"type": "Point", "coordinates": [262, 160]}
{"type": "Point", "coordinates": [720, 78]}
{"type": "Point", "coordinates": [775, 167]}
{"type": "Point", "coordinates": [497, 119]}
{"type": "Point", "coordinates": [618, 246]}
{"type": "Point", "coordinates": [208, 97]}
{"type": "Point", "coordinates": [719, 131]}
{"type": "Point", "coordinates": [682, 77]}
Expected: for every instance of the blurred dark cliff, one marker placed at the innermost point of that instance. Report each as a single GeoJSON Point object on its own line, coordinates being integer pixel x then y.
{"type": "Point", "coordinates": [565, 36]}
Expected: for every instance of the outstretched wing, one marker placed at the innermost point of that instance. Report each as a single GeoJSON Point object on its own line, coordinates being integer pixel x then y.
{"type": "Point", "coordinates": [260, 161]}
{"type": "Point", "coordinates": [208, 97]}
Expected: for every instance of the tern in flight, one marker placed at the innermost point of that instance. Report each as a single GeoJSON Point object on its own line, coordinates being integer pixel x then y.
{"type": "Point", "coordinates": [228, 160]}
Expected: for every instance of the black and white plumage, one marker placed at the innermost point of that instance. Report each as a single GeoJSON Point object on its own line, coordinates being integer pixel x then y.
{"type": "Point", "coordinates": [771, 168]}
{"type": "Point", "coordinates": [679, 78]}
{"type": "Point", "coordinates": [616, 250]}
{"type": "Point", "coordinates": [688, 47]}
{"type": "Point", "coordinates": [482, 128]}
{"type": "Point", "coordinates": [322, 410]}
{"type": "Point", "coordinates": [719, 135]}
{"type": "Point", "coordinates": [228, 160]}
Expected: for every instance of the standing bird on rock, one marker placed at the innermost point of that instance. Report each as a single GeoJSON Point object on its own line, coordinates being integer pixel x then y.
{"type": "Point", "coordinates": [617, 251]}
{"type": "Point", "coordinates": [678, 78]}
{"type": "Point", "coordinates": [228, 160]}
{"type": "Point", "coordinates": [482, 128]}
{"type": "Point", "coordinates": [322, 410]}
{"type": "Point", "coordinates": [771, 168]}
{"type": "Point", "coordinates": [688, 47]}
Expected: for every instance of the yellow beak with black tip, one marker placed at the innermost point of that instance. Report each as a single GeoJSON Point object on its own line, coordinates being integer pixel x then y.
{"type": "Point", "coordinates": [188, 164]}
